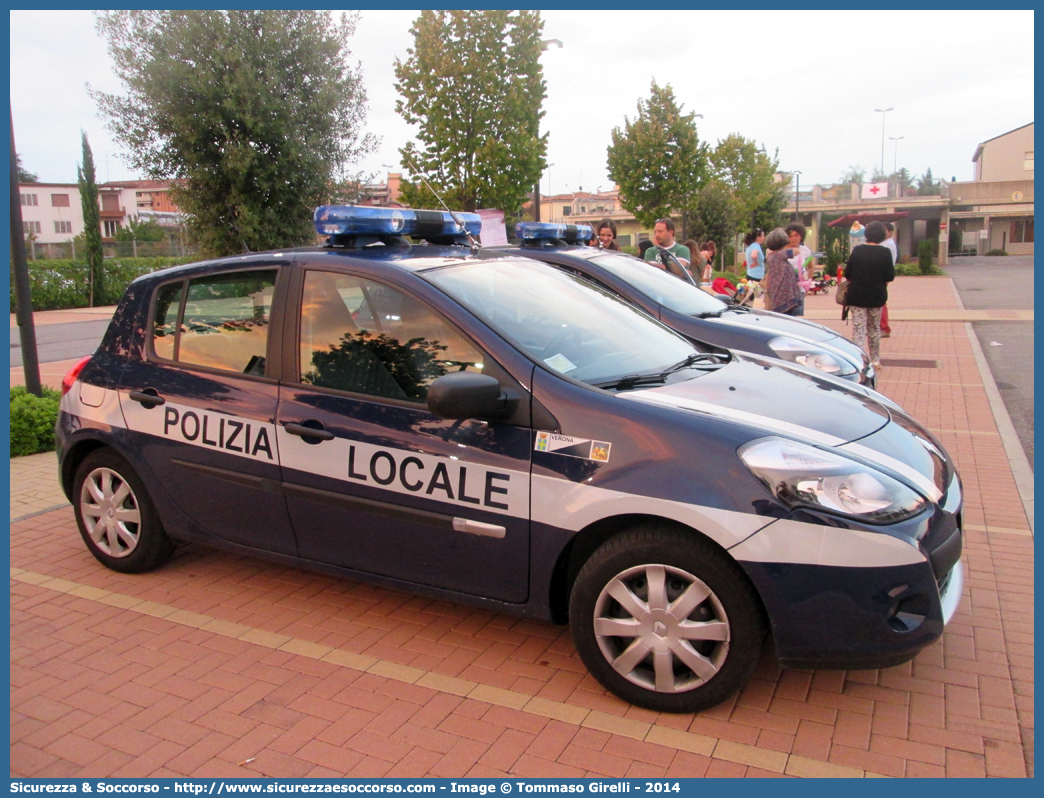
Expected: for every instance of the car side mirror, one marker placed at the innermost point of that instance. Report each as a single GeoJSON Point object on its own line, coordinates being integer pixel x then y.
{"type": "Point", "coordinates": [467, 394]}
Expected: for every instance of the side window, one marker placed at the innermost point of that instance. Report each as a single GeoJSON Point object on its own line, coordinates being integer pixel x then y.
{"type": "Point", "coordinates": [165, 320]}
{"type": "Point", "coordinates": [224, 323]}
{"type": "Point", "coordinates": [365, 337]}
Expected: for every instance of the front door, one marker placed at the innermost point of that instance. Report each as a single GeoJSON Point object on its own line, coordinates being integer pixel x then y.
{"type": "Point", "coordinates": [376, 483]}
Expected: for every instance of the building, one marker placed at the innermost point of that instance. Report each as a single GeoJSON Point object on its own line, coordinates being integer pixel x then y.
{"type": "Point", "coordinates": [993, 212]}
{"type": "Point", "coordinates": [1006, 157]}
{"type": "Point", "coordinates": [53, 214]}
{"type": "Point", "coordinates": [382, 194]}
{"type": "Point", "coordinates": [586, 207]}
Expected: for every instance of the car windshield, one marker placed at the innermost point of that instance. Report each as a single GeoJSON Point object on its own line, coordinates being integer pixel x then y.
{"type": "Point", "coordinates": [661, 287]}
{"type": "Point", "coordinates": [561, 320]}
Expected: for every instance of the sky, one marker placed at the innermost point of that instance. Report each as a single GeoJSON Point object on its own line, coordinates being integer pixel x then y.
{"type": "Point", "coordinates": [803, 82]}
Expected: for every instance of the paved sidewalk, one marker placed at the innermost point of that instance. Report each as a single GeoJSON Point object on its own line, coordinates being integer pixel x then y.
{"type": "Point", "coordinates": [223, 665]}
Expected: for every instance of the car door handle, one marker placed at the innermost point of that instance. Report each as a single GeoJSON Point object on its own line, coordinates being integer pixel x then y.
{"type": "Point", "coordinates": [148, 398]}
{"type": "Point", "coordinates": [309, 432]}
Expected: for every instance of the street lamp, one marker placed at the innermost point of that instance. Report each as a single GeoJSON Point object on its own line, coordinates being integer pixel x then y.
{"type": "Point", "coordinates": [882, 112]}
{"type": "Point", "coordinates": [797, 196]}
{"type": "Point", "coordinates": [895, 157]}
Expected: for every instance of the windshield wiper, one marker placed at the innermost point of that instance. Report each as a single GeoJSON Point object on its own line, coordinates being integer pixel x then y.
{"type": "Point", "coordinates": [633, 380]}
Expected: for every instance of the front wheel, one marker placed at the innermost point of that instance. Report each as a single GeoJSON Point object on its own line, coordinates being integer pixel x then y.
{"type": "Point", "coordinates": [115, 515]}
{"type": "Point", "coordinates": [666, 621]}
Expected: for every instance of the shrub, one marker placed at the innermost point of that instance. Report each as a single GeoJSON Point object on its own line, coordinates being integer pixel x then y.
{"type": "Point", "coordinates": [924, 255]}
{"type": "Point", "coordinates": [60, 283]}
{"type": "Point", "coordinates": [32, 421]}
{"type": "Point", "coordinates": [996, 252]}
{"type": "Point", "coordinates": [914, 270]}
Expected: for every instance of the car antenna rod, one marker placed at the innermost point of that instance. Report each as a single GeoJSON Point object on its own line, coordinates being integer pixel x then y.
{"type": "Point", "coordinates": [474, 244]}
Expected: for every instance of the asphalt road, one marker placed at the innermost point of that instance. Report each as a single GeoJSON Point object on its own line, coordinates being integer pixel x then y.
{"type": "Point", "coordinates": [56, 342]}
{"type": "Point", "coordinates": [1003, 282]}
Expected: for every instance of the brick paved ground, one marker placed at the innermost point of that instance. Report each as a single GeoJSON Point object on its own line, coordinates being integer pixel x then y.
{"type": "Point", "coordinates": [220, 665]}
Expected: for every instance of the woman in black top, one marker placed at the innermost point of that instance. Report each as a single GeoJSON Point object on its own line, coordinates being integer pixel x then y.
{"type": "Point", "coordinates": [868, 272]}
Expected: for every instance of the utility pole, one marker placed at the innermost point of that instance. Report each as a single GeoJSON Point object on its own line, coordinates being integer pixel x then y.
{"type": "Point", "coordinates": [23, 295]}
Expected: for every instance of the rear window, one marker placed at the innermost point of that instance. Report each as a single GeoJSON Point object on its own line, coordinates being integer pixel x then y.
{"type": "Point", "coordinates": [218, 321]}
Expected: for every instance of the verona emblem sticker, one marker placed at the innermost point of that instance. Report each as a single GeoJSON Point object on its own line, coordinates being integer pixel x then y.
{"type": "Point", "coordinates": [583, 448]}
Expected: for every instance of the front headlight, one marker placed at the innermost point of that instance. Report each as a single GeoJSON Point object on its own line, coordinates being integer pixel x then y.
{"type": "Point", "coordinates": [811, 356]}
{"type": "Point", "coordinates": [799, 475]}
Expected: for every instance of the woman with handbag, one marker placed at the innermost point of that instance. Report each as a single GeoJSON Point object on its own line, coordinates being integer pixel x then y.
{"type": "Point", "coordinates": [867, 274]}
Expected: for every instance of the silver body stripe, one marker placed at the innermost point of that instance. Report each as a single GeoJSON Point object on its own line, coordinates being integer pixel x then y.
{"type": "Point", "coordinates": [560, 503]}
{"type": "Point", "coordinates": [810, 544]}
{"type": "Point", "coordinates": [575, 505]}
{"type": "Point", "coordinates": [208, 429]}
{"type": "Point", "coordinates": [899, 467]}
{"type": "Point", "coordinates": [717, 410]}
{"type": "Point", "coordinates": [918, 479]}
{"type": "Point", "coordinates": [453, 482]}
{"type": "Point", "coordinates": [104, 409]}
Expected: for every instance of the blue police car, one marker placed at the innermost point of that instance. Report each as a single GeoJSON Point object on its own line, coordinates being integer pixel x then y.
{"type": "Point", "coordinates": [683, 306]}
{"type": "Point", "coordinates": [494, 431]}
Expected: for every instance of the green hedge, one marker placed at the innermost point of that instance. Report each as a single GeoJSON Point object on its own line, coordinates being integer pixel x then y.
{"type": "Point", "coordinates": [32, 421]}
{"type": "Point", "coordinates": [60, 284]}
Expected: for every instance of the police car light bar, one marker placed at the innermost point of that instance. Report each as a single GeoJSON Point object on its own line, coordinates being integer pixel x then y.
{"type": "Point", "coordinates": [352, 220]}
{"type": "Point", "coordinates": [532, 231]}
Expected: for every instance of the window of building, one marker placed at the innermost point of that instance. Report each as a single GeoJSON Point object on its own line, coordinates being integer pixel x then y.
{"type": "Point", "coordinates": [109, 229]}
{"type": "Point", "coordinates": [1027, 162]}
{"type": "Point", "coordinates": [30, 227]}
{"type": "Point", "coordinates": [110, 202]}
{"type": "Point", "coordinates": [567, 210]}
{"type": "Point", "coordinates": [63, 227]}
{"type": "Point", "coordinates": [59, 200]}
{"type": "Point", "coordinates": [28, 199]}
{"type": "Point", "coordinates": [1022, 231]}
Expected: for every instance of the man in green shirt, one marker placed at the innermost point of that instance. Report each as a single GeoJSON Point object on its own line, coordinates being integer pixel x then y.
{"type": "Point", "coordinates": [663, 236]}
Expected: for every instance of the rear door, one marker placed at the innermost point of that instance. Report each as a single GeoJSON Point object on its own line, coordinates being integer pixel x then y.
{"type": "Point", "coordinates": [201, 405]}
{"type": "Point", "coordinates": [373, 480]}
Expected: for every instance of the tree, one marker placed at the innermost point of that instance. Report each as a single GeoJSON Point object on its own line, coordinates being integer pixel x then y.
{"type": "Point", "coordinates": [91, 223]}
{"type": "Point", "coordinates": [258, 113]}
{"type": "Point", "coordinates": [855, 174]}
{"type": "Point", "coordinates": [927, 186]}
{"type": "Point", "coordinates": [750, 175]}
{"type": "Point", "coordinates": [714, 217]}
{"type": "Point", "coordinates": [658, 160]}
{"type": "Point", "coordinates": [25, 176]}
{"type": "Point", "coordinates": [136, 230]}
{"type": "Point", "coordinates": [473, 84]}
{"type": "Point", "coordinates": [903, 179]}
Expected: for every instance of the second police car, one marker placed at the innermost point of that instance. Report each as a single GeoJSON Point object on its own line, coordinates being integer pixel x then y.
{"type": "Point", "coordinates": [495, 431]}
{"type": "Point", "coordinates": [690, 310]}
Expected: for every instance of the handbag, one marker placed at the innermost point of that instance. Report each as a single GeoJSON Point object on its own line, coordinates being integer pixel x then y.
{"type": "Point", "coordinates": [841, 297]}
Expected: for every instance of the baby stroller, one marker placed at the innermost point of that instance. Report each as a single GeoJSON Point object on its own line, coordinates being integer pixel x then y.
{"type": "Point", "coordinates": [821, 282]}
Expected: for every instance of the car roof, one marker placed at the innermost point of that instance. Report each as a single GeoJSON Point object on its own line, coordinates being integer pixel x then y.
{"type": "Point", "coordinates": [412, 258]}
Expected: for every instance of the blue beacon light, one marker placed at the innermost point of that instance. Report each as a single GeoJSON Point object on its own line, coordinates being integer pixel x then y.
{"type": "Point", "coordinates": [531, 231]}
{"type": "Point", "coordinates": [341, 220]}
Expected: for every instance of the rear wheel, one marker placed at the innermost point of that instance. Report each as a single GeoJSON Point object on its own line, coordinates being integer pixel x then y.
{"type": "Point", "coordinates": [666, 621]}
{"type": "Point", "coordinates": [116, 517]}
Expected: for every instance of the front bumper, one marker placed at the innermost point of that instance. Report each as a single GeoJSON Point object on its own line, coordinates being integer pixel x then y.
{"type": "Point", "coordinates": [841, 596]}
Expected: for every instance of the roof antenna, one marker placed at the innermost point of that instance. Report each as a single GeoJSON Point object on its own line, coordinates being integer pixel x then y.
{"type": "Point", "coordinates": [474, 244]}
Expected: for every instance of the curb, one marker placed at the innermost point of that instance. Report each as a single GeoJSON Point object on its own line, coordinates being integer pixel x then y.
{"type": "Point", "coordinates": [1017, 460]}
